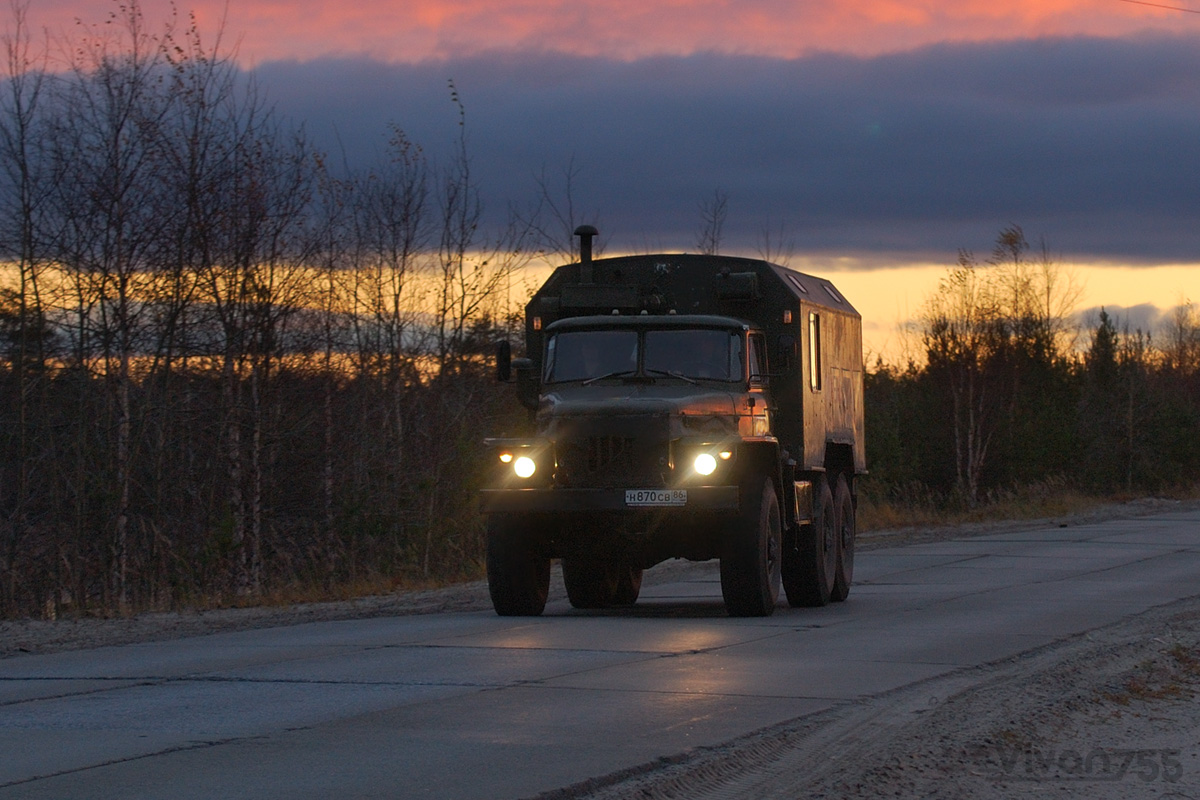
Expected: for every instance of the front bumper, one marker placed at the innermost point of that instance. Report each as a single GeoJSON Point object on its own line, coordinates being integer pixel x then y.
{"type": "Point", "coordinates": [557, 500]}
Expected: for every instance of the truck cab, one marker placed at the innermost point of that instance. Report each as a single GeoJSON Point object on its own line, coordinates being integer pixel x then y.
{"type": "Point", "coordinates": [668, 397]}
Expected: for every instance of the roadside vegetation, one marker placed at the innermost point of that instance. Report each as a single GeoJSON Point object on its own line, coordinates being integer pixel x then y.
{"type": "Point", "coordinates": [231, 374]}
{"type": "Point", "coordinates": [1010, 409]}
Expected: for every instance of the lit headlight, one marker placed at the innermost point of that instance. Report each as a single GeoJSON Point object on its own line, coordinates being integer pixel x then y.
{"type": "Point", "coordinates": [704, 464]}
{"type": "Point", "coordinates": [524, 466]}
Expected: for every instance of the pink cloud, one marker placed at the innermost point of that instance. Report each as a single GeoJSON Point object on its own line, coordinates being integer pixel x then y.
{"type": "Point", "coordinates": [414, 30]}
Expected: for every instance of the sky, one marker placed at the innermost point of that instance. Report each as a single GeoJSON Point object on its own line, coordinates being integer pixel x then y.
{"type": "Point", "coordinates": [870, 139]}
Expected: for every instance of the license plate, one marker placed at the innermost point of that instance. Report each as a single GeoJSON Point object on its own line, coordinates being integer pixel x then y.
{"type": "Point", "coordinates": [656, 497]}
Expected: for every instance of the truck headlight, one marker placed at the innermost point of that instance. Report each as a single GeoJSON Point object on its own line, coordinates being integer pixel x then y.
{"type": "Point", "coordinates": [704, 464]}
{"type": "Point", "coordinates": [524, 466]}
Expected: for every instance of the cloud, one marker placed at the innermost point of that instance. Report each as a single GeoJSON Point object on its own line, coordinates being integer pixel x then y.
{"type": "Point", "coordinates": [1144, 317]}
{"type": "Point", "coordinates": [415, 30]}
{"type": "Point", "coordinates": [1093, 143]}
{"type": "Point", "coordinates": [1147, 318]}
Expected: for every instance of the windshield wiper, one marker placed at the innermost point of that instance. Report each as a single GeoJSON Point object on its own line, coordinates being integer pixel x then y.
{"type": "Point", "coordinates": [618, 374]}
{"type": "Point", "coordinates": [669, 374]}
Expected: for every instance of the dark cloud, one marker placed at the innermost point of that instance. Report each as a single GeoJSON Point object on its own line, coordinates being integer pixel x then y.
{"type": "Point", "coordinates": [1093, 143]}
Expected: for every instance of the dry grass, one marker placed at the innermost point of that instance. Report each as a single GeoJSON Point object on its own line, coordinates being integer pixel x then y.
{"type": "Point", "coordinates": [918, 506]}
{"type": "Point", "coordinates": [913, 507]}
{"type": "Point", "coordinates": [1169, 675]}
{"type": "Point", "coordinates": [299, 592]}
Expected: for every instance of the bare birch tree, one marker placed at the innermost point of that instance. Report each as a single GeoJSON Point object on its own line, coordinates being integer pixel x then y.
{"type": "Point", "coordinates": [112, 203]}
{"type": "Point", "coordinates": [987, 328]}
{"type": "Point", "coordinates": [774, 243]}
{"type": "Point", "coordinates": [963, 337]}
{"type": "Point", "coordinates": [23, 198]}
{"type": "Point", "coordinates": [713, 212]}
{"type": "Point", "coordinates": [554, 216]}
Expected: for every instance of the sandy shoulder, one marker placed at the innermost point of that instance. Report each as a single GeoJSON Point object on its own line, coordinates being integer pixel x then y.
{"type": "Point", "coordinates": [1110, 715]}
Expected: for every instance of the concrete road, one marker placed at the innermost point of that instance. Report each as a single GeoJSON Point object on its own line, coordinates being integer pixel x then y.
{"type": "Point", "coordinates": [469, 705]}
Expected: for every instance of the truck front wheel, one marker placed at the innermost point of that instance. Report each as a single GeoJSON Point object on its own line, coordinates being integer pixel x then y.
{"type": "Point", "coordinates": [518, 568]}
{"type": "Point", "coordinates": [751, 552]}
{"type": "Point", "coordinates": [809, 566]}
{"type": "Point", "coordinates": [629, 586]}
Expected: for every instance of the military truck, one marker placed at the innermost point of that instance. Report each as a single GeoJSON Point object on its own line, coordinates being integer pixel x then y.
{"type": "Point", "coordinates": [683, 406]}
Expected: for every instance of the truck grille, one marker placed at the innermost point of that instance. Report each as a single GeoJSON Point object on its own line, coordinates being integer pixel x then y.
{"type": "Point", "coordinates": [611, 461]}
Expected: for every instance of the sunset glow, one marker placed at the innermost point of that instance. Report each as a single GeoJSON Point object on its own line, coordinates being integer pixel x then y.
{"type": "Point", "coordinates": [417, 30]}
{"type": "Point", "coordinates": [891, 299]}
{"type": "Point", "coordinates": [879, 128]}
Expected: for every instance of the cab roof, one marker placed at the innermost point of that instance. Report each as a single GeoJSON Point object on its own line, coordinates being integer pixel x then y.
{"type": "Point", "coordinates": [643, 321]}
{"type": "Point", "coordinates": [683, 282]}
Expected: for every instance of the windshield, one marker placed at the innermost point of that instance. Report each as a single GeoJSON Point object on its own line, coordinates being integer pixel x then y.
{"type": "Point", "coordinates": [713, 354]}
{"type": "Point", "coordinates": [704, 353]}
{"type": "Point", "coordinates": [580, 355]}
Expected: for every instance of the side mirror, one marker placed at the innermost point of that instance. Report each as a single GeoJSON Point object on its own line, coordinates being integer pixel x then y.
{"type": "Point", "coordinates": [503, 361]}
{"type": "Point", "coordinates": [527, 383]}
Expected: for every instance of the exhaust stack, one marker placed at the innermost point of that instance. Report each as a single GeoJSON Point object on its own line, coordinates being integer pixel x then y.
{"type": "Point", "coordinates": [585, 234]}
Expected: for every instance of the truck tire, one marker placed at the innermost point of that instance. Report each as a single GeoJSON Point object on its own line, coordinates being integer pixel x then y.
{"type": "Point", "coordinates": [591, 582]}
{"type": "Point", "coordinates": [598, 582]}
{"type": "Point", "coordinates": [843, 507]}
{"type": "Point", "coordinates": [810, 566]}
{"type": "Point", "coordinates": [518, 570]}
{"type": "Point", "coordinates": [751, 552]}
{"type": "Point", "coordinates": [629, 586]}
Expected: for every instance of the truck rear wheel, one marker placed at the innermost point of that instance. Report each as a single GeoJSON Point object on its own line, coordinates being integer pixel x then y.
{"type": "Point", "coordinates": [810, 566]}
{"type": "Point", "coordinates": [751, 552]}
{"type": "Point", "coordinates": [843, 505]}
{"type": "Point", "coordinates": [518, 569]}
{"type": "Point", "coordinates": [599, 582]}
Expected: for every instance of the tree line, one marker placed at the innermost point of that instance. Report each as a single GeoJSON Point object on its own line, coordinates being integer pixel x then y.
{"type": "Point", "coordinates": [227, 368]}
{"type": "Point", "coordinates": [1005, 390]}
